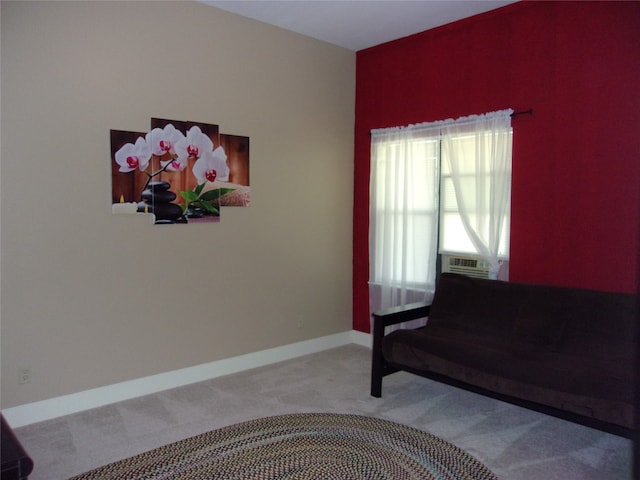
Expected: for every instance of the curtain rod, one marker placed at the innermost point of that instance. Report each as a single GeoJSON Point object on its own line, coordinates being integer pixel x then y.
{"type": "Point", "coordinates": [523, 112]}
{"type": "Point", "coordinates": [459, 121]}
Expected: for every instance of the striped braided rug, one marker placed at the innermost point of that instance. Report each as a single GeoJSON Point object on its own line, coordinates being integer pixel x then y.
{"type": "Point", "coordinates": [302, 446]}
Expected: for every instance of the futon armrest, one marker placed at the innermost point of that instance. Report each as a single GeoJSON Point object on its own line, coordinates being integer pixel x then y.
{"type": "Point", "coordinates": [381, 320]}
{"type": "Point", "coordinates": [391, 316]}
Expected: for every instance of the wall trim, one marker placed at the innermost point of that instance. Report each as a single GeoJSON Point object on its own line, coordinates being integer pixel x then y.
{"type": "Point", "coordinates": [77, 402]}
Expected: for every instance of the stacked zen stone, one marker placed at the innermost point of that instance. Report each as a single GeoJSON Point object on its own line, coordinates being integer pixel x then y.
{"type": "Point", "coordinates": [157, 199]}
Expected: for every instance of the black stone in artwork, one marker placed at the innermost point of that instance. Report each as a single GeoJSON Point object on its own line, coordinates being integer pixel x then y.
{"type": "Point", "coordinates": [156, 199]}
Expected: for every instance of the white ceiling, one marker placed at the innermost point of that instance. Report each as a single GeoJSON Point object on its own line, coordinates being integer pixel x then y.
{"type": "Point", "coordinates": [357, 24]}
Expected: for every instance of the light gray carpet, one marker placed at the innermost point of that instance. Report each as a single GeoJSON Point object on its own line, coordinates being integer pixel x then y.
{"type": "Point", "coordinates": [517, 444]}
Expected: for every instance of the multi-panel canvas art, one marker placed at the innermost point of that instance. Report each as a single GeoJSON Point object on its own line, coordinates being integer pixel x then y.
{"type": "Point", "coordinates": [181, 172]}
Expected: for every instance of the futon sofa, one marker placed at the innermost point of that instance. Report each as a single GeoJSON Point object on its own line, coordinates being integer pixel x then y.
{"type": "Point", "coordinates": [564, 351]}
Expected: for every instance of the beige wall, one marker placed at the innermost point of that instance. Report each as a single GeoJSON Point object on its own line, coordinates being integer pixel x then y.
{"type": "Point", "coordinates": [91, 299]}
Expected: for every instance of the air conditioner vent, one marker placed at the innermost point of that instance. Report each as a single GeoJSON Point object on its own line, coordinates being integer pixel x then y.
{"type": "Point", "coordinates": [471, 267]}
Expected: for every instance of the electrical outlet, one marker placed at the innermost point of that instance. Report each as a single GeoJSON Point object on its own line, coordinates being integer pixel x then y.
{"type": "Point", "coordinates": [24, 375]}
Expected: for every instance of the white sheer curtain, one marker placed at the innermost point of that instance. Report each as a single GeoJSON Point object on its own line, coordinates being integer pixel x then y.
{"type": "Point", "coordinates": [477, 152]}
{"type": "Point", "coordinates": [404, 201]}
{"type": "Point", "coordinates": [403, 215]}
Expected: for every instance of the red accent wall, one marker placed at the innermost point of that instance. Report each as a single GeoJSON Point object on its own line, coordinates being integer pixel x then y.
{"type": "Point", "coordinates": [576, 160]}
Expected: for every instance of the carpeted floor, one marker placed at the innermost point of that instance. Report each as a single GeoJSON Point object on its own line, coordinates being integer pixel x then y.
{"type": "Point", "coordinates": [515, 443]}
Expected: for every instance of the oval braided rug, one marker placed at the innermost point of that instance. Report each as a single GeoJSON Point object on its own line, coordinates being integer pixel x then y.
{"type": "Point", "coordinates": [302, 446]}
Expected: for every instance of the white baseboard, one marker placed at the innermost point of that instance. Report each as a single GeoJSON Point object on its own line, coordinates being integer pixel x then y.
{"type": "Point", "coordinates": [76, 402]}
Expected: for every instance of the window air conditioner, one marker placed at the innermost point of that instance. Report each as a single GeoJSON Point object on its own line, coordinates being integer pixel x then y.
{"type": "Point", "coordinates": [471, 267]}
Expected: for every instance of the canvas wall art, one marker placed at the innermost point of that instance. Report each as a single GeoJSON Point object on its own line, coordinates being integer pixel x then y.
{"type": "Point", "coordinates": [180, 172]}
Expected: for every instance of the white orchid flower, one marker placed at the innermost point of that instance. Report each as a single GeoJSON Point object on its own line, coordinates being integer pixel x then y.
{"type": "Point", "coordinates": [194, 145]}
{"type": "Point", "coordinates": [212, 166]}
{"type": "Point", "coordinates": [131, 156]}
{"type": "Point", "coordinates": [163, 140]}
{"type": "Point", "coordinates": [174, 165]}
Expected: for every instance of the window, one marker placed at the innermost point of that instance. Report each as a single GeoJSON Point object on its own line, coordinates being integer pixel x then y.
{"type": "Point", "coordinates": [478, 179]}
{"type": "Point", "coordinates": [442, 187]}
{"type": "Point", "coordinates": [406, 210]}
